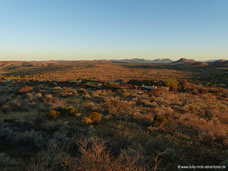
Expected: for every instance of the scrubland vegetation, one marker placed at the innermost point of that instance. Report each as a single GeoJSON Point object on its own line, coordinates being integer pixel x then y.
{"type": "Point", "coordinates": [49, 122]}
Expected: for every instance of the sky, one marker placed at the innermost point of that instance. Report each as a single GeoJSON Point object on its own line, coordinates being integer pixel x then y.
{"type": "Point", "coordinates": [113, 29]}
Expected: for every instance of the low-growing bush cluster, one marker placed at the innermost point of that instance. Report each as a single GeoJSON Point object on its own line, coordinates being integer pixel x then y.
{"type": "Point", "coordinates": [66, 111]}
{"type": "Point", "coordinates": [93, 117]}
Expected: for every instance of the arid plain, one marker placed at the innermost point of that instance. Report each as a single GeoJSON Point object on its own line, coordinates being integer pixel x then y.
{"type": "Point", "coordinates": [106, 115]}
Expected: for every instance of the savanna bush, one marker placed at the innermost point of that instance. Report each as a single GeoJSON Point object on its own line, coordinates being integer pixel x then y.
{"type": "Point", "coordinates": [159, 120]}
{"type": "Point", "coordinates": [203, 90]}
{"type": "Point", "coordinates": [93, 117]}
{"type": "Point", "coordinates": [94, 94]}
{"type": "Point", "coordinates": [96, 156]}
{"type": "Point", "coordinates": [147, 117]}
{"type": "Point", "coordinates": [146, 103]}
{"type": "Point", "coordinates": [82, 90]}
{"type": "Point", "coordinates": [163, 110]}
{"type": "Point", "coordinates": [53, 114]}
{"type": "Point", "coordinates": [172, 83]}
{"type": "Point", "coordinates": [70, 101]}
{"type": "Point", "coordinates": [116, 106]}
{"type": "Point", "coordinates": [89, 105]}
{"type": "Point", "coordinates": [195, 91]}
{"type": "Point", "coordinates": [155, 92]}
{"type": "Point", "coordinates": [212, 127]}
{"type": "Point", "coordinates": [184, 84]}
{"type": "Point", "coordinates": [125, 94]}
{"type": "Point", "coordinates": [112, 84]}
{"type": "Point", "coordinates": [25, 89]}
{"type": "Point", "coordinates": [70, 111]}
{"type": "Point", "coordinates": [103, 93]}
{"type": "Point", "coordinates": [87, 121]}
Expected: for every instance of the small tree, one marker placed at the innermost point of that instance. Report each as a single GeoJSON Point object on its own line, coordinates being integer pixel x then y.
{"type": "Point", "coordinates": [172, 83]}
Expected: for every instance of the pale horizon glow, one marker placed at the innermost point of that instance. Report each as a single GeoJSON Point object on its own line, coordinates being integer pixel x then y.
{"type": "Point", "coordinates": [113, 29]}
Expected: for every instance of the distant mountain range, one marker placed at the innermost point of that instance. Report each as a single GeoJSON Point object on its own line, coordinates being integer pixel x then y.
{"type": "Point", "coordinates": [220, 60]}
{"type": "Point", "coordinates": [182, 61]}
{"type": "Point", "coordinates": [137, 60]}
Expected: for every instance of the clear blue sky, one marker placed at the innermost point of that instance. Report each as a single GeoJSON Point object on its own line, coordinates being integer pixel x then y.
{"type": "Point", "coordinates": [113, 29]}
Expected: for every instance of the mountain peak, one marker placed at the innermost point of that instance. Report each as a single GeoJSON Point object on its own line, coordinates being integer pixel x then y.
{"type": "Point", "coordinates": [184, 60]}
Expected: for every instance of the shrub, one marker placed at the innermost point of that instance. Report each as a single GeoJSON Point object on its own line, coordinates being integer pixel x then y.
{"type": "Point", "coordinates": [25, 89]}
{"type": "Point", "coordinates": [102, 93]}
{"type": "Point", "coordinates": [48, 96]}
{"type": "Point", "coordinates": [159, 120]}
{"type": "Point", "coordinates": [72, 111]}
{"type": "Point", "coordinates": [68, 111]}
{"type": "Point", "coordinates": [112, 84]}
{"type": "Point", "coordinates": [53, 114]}
{"type": "Point", "coordinates": [203, 90]}
{"type": "Point", "coordinates": [184, 84]}
{"type": "Point", "coordinates": [155, 92]}
{"type": "Point", "coordinates": [89, 105]}
{"type": "Point", "coordinates": [63, 111]}
{"type": "Point", "coordinates": [172, 83]}
{"type": "Point", "coordinates": [95, 117]}
{"type": "Point", "coordinates": [50, 158]}
{"type": "Point", "coordinates": [87, 121]}
{"type": "Point", "coordinates": [125, 94]}
{"type": "Point", "coordinates": [195, 91]}
{"type": "Point", "coordinates": [70, 101]}
{"type": "Point", "coordinates": [94, 94]}
{"type": "Point", "coordinates": [95, 156]}
{"type": "Point", "coordinates": [38, 95]}
{"type": "Point", "coordinates": [82, 90]}
{"type": "Point", "coordinates": [117, 106]}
